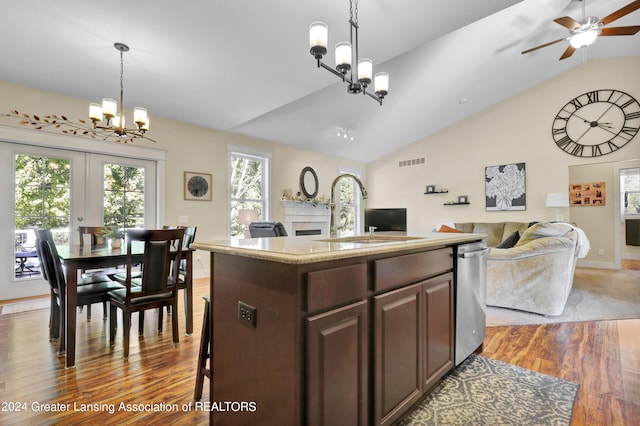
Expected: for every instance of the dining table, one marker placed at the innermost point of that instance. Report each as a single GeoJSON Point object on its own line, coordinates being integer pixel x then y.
{"type": "Point", "coordinates": [76, 259]}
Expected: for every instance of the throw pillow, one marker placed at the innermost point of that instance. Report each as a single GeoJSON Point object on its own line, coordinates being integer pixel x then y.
{"type": "Point", "coordinates": [445, 228]}
{"type": "Point", "coordinates": [510, 241]}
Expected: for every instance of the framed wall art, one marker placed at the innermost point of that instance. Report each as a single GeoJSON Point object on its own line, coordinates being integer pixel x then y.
{"type": "Point", "coordinates": [197, 186]}
{"type": "Point", "coordinates": [505, 187]}
{"type": "Point", "coordinates": [587, 194]}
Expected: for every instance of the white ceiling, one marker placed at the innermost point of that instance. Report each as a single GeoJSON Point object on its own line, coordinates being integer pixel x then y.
{"type": "Point", "coordinates": [244, 65]}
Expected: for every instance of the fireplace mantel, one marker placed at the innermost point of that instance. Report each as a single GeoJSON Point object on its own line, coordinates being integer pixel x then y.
{"type": "Point", "coordinates": [302, 217]}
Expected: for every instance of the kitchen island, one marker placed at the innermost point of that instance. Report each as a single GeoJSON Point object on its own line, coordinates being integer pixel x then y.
{"type": "Point", "coordinates": [312, 330]}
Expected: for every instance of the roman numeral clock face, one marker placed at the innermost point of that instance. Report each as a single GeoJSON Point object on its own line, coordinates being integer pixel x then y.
{"type": "Point", "coordinates": [596, 123]}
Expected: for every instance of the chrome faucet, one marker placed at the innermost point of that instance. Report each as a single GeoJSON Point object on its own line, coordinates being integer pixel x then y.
{"type": "Point", "coordinates": [332, 202]}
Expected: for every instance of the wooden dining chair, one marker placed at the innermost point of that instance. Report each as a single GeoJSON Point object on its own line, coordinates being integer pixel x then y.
{"type": "Point", "coordinates": [96, 286]}
{"type": "Point", "coordinates": [157, 282]}
{"type": "Point", "coordinates": [189, 237]}
{"type": "Point", "coordinates": [87, 294]}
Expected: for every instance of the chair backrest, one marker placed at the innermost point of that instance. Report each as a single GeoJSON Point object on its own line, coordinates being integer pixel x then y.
{"type": "Point", "coordinates": [96, 232]}
{"type": "Point", "coordinates": [53, 267]}
{"type": "Point", "coordinates": [189, 234]}
{"type": "Point", "coordinates": [267, 229]}
{"type": "Point", "coordinates": [41, 236]}
{"type": "Point", "coordinates": [158, 275]}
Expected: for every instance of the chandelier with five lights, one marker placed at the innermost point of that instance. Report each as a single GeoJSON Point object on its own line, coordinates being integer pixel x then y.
{"type": "Point", "coordinates": [357, 73]}
{"type": "Point", "coordinates": [113, 113]}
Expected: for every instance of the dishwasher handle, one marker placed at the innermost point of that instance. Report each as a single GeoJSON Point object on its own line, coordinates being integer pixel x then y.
{"type": "Point", "coordinates": [477, 253]}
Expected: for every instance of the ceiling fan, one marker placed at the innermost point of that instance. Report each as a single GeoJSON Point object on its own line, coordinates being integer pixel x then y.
{"type": "Point", "coordinates": [584, 33]}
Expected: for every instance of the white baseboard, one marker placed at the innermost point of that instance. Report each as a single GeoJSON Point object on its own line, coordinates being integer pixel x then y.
{"type": "Point", "coordinates": [599, 265]}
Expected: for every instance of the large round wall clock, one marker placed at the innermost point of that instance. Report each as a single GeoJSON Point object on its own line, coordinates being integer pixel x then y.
{"type": "Point", "coordinates": [596, 123]}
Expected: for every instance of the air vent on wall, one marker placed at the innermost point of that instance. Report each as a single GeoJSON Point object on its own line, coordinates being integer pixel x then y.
{"type": "Point", "coordinates": [412, 162]}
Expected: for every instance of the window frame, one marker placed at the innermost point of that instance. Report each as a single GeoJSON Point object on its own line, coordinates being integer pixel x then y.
{"type": "Point", "coordinates": [265, 159]}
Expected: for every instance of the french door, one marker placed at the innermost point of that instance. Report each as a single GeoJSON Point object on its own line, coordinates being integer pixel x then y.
{"type": "Point", "coordinates": [62, 189]}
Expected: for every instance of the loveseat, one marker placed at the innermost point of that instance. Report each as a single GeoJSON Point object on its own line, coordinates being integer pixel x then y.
{"type": "Point", "coordinates": [530, 266]}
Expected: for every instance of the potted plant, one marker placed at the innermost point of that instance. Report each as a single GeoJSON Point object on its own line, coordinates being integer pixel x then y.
{"type": "Point", "coordinates": [114, 234]}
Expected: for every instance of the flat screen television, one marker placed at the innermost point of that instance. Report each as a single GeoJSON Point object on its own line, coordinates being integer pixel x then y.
{"type": "Point", "coordinates": [386, 219]}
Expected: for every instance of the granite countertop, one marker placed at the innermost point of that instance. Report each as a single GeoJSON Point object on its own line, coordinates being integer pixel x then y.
{"type": "Point", "coordinates": [317, 248]}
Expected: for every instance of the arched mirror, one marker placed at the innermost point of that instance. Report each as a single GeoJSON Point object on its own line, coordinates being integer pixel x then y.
{"type": "Point", "coordinates": [309, 182]}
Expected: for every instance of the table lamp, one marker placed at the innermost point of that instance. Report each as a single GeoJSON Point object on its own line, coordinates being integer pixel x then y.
{"type": "Point", "coordinates": [245, 217]}
{"type": "Point", "coordinates": [557, 200]}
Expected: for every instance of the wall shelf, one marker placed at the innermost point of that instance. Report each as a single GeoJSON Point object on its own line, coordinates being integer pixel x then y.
{"type": "Point", "coordinates": [455, 204]}
{"type": "Point", "coordinates": [437, 192]}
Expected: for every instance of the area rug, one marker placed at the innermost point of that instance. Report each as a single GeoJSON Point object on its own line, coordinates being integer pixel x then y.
{"type": "Point", "coordinates": [27, 305]}
{"type": "Point", "coordinates": [483, 391]}
{"type": "Point", "coordinates": [597, 294]}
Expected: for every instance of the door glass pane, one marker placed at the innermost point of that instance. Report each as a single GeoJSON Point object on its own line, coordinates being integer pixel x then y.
{"type": "Point", "coordinates": [42, 200]}
{"type": "Point", "coordinates": [123, 204]}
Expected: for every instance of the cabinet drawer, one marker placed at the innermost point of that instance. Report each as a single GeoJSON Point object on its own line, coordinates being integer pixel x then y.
{"type": "Point", "coordinates": [336, 286]}
{"type": "Point", "coordinates": [394, 272]}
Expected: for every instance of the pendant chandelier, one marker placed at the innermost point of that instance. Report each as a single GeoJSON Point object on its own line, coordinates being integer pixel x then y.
{"type": "Point", "coordinates": [357, 73]}
{"type": "Point", "coordinates": [113, 113]}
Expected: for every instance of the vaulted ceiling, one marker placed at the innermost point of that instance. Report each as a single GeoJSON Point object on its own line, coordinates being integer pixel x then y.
{"type": "Point", "coordinates": [244, 65]}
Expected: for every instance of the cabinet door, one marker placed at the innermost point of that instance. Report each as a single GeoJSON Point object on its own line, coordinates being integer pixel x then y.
{"type": "Point", "coordinates": [439, 328]}
{"type": "Point", "coordinates": [397, 352]}
{"type": "Point", "coordinates": [337, 366]}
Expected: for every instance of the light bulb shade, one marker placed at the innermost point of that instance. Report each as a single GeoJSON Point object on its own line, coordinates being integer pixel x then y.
{"type": "Point", "coordinates": [557, 199]}
{"type": "Point", "coordinates": [318, 39]}
{"type": "Point", "coordinates": [109, 108]}
{"type": "Point", "coordinates": [95, 112]}
{"type": "Point", "coordinates": [145, 125]}
{"type": "Point", "coordinates": [583, 39]}
{"type": "Point", "coordinates": [381, 83]}
{"type": "Point", "coordinates": [119, 122]}
{"type": "Point", "coordinates": [365, 70]}
{"type": "Point", "coordinates": [139, 116]}
{"type": "Point", "coordinates": [343, 56]}
{"type": "Point", "coordinates": [247, 216]}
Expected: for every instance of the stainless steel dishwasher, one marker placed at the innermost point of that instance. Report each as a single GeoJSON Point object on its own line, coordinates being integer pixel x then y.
{"type": "Point", "coordinates": [471, 297]}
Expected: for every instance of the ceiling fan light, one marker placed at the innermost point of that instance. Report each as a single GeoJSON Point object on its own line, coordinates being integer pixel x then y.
{"type": "Point", "coordinates": [583, 39]}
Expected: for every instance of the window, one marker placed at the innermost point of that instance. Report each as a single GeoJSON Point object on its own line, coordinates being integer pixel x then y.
{"type": "Point", "coordinates": [248, 188]}
{"type": "Point", "coordinates": [123, 204]}
{"type": "Point", "coordinates": [630, 191]}
{"type": "Point", "coordinates": [42, 200]}
{"type": "Point", "coordinates": [348, 206]}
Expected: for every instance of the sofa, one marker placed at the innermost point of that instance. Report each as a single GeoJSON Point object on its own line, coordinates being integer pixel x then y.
{"type": "Point", "coordinates": [530, 266]}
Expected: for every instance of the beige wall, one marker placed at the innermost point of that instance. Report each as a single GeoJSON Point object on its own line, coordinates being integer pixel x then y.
{"type": "Point", "coordinates": [513, 131]}
{"type": "Point", "coordinates": [188, 148]}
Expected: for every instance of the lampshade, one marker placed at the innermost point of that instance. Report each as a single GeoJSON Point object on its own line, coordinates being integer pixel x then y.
{"type": "Point", "coordinates": [246, 216]}
{"type": "Point", "coordinates": [343, 56]}
{"type": "Point", "coordinates": [557, 199]}
{"type": "Point", "coordinates": [318, 35]}
{"type": "Point", "coordinates": [365, 70]}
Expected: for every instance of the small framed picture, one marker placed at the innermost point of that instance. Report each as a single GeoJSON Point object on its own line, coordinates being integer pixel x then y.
{"type": "Point", "coordinates": [431, 188]}
{"type": "Point", "coordinates": [462, 199]}
{"type": "Point", "coordinates": [197, 186]}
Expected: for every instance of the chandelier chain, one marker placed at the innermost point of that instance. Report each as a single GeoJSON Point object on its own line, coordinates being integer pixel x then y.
{"type": "Point", "coordinates": [351, 14]}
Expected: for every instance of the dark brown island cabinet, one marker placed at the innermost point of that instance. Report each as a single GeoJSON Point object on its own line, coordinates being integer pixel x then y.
{"type": "Point", "coordinates": [331, 340]}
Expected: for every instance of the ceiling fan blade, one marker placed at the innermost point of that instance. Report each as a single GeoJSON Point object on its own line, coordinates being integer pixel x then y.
{"type": "Point", "coordinates": [621, 12]}
{"type": "Point", "coordinates": [568, 52]}
{"type": "Point", "coordinates": [543, 45]}
{"type": "Point", "coordinates": [568, 22]}
{"type": "Point", "coordinates": [620, 31]}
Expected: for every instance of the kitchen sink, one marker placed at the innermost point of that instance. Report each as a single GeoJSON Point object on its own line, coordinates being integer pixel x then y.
{"type": "Point", "coordinates": [371, 239]}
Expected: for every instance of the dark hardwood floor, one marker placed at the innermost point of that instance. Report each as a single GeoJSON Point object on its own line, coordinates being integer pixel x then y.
{"type": "Point", "coordinates": [602, 357]}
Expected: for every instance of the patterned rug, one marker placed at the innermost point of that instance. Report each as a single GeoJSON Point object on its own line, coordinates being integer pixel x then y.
{"type": "Point", "coordinates": [483, 391]}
